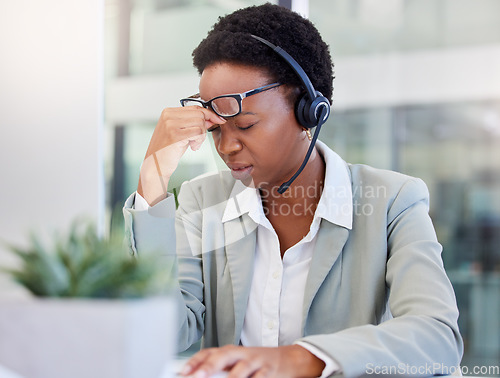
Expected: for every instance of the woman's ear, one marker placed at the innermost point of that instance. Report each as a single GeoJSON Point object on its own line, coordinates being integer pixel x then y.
{"type": "Point", "coordinates": [292, 94]}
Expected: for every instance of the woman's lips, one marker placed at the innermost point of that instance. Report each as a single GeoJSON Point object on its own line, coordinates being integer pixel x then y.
{"type": "Point", "coordinates": [241, 172]}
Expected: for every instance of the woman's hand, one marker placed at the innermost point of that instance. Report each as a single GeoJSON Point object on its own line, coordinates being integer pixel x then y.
{"type": "Point", "coordinates": [284, 361]}
{"type": "Point", "coordinates": [176, 130]}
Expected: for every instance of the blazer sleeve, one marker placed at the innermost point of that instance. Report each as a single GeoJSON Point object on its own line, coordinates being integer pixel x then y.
{"type": "Point", "coordinates": [421, 337]}
{"type": "Point", "coordinates": [157, 231]}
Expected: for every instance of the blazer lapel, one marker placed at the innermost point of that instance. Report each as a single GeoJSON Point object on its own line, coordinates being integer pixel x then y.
{"type": "Point", "coordinates": [329, 245]}
{"type": "Point", "coordinates": [241, 237]}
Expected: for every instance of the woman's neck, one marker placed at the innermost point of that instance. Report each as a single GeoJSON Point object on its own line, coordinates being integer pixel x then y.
{"type": "Point", "coordinates": [305, 191]}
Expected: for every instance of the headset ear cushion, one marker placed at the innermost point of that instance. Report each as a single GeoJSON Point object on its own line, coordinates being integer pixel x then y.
{"type": "Point", "coordinates": [302, 111]}
{"type": "Point", "coordinates": [306, 111]}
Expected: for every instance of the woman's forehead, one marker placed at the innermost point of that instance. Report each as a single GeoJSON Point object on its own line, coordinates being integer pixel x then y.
{"type": "Point", "coordinates": [228, 78]}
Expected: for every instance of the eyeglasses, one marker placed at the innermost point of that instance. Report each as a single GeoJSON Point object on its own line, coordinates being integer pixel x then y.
{"type": "Point", "coordinates": [226, 105]}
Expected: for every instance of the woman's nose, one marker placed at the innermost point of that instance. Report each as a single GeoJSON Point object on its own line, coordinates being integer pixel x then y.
{"type": "Point", "coordinates": [227, 141]}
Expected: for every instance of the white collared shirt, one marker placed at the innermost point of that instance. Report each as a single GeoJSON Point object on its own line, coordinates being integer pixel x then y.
{"type": "Point", "coordinates": [274, 312]}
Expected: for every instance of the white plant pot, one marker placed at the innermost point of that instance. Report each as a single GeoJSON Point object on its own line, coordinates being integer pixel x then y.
{"type": "Point", "coordinates": [72, 338]}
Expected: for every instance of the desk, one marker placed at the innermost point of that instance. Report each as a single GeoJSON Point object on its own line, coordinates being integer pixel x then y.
{"type": "Point", "coordinates": [171, 370]}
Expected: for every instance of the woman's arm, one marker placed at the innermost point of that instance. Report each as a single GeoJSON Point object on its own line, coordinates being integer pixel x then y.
{"type": "Point", "coordinates": [153, 230]}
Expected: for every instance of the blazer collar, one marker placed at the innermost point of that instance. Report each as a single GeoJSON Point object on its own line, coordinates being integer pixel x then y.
{"type": "Point", "coordinates": [330, 242]}
{"type": "Point", "coordinates": [241, 239]}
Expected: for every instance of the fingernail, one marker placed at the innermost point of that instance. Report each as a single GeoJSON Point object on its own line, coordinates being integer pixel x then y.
{"type": "Point", "coordinates": [222, 119]}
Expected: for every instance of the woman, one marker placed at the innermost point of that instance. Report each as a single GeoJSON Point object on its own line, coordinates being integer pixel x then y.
{"type": "Point", "coordinates": [340, 274]}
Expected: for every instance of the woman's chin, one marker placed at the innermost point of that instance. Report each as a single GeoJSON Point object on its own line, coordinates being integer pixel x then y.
{"type": "Point", "coordinates": [248, 182]}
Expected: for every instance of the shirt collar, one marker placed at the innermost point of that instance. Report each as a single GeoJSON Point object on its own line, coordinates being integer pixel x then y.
{"type": "Point", "coordinates": [243, 200]}
{"type": "Point", "coordinates": [335, 204]}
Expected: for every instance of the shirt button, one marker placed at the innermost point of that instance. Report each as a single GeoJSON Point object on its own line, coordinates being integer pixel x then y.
{"type": "Point", "coordinates": [270, 324]}
{"type": "Point", "coordinates": [276, 274]}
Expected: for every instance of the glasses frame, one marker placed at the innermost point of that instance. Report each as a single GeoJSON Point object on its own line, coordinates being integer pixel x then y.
{"type": "Point", "coordinates": [238, 96]}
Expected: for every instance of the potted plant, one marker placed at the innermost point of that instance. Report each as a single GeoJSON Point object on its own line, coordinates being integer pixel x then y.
{"type": "Point", "coordinates": [95, 311]}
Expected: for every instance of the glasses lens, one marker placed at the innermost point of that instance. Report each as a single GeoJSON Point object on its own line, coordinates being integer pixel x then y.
{"type": "Point", "coordinates": [226, 106]}
{"type": "Point", "coordinates": [188, 102]}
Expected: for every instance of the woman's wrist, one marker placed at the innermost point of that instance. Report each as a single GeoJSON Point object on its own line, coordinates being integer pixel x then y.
{"type": "Point", "coordinates": [152, 184]}
{"type": "Point", "coordinates": [306, 364]}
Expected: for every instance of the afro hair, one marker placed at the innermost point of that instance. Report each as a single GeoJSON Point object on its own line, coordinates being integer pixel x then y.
{"type": "Point", "coordinates": [229, 40]}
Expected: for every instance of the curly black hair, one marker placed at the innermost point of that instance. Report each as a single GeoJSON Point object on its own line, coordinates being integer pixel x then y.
{"type": "Point", "coordinates": [229, 41]}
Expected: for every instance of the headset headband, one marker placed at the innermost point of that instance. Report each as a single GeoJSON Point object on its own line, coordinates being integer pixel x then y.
{"type": "Point", "coordinates": [293, 63]}
{"type": "Point", "coordinates": [312, 109]}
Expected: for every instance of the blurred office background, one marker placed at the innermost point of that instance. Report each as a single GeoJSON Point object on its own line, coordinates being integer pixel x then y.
{"type": "Point", "coordinates": [417, 90]}
{"type": "Point", "coordinates": [51, 120]}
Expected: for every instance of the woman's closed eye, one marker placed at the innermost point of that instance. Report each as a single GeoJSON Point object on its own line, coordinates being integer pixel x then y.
{"type": "Point", "coordinates": [246, 123]}
{"type": "Point", "coordinates": [245, 127]}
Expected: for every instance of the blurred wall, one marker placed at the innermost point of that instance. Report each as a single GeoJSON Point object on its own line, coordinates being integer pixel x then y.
{"type": "Point", "coordinates": [50, 117]}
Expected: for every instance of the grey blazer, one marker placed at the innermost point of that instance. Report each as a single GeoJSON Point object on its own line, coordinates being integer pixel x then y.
{"type": "Point", "coordinates": [377, 296]}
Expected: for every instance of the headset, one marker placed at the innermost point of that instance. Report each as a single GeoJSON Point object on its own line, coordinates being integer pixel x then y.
{"type": "Point", "coordinates": [311, 110]}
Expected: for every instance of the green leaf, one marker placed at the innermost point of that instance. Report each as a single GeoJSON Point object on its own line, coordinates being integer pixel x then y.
{"type": "Point", "coordinates": [82, 264]}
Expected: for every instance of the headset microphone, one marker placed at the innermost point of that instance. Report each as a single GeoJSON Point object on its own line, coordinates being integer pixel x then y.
{"type": "Point", "coordinates": [312, 109]}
